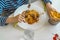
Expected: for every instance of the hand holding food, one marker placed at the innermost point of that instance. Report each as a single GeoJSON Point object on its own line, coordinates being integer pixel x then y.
{"type": "Point", "coordinates": [20, 18]}
{"type": "Point", "coordinates": [54, 15]}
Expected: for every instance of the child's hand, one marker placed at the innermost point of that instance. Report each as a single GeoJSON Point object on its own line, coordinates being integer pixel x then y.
{"type": "Point", "coordinates": [20, 18]}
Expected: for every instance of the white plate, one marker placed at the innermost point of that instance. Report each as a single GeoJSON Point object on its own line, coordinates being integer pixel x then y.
{"type": "Point", "coordinates": [26, 25]}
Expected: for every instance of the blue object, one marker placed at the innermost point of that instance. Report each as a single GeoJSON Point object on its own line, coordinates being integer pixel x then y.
{"type": "Point", "coordinates": [46, 1]}
{"type": "Point", "coordinates": [1, 9]}
{"type": "Point", "coordinates": [7, 7]}
{"type": "Point", "coordinates": [2, 20]}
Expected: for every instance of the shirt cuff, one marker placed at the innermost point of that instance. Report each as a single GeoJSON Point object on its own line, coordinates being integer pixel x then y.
{"type": "Point", "coordinates": [3, 20]}
{"type": "Point", "coordinates": [47, 1]}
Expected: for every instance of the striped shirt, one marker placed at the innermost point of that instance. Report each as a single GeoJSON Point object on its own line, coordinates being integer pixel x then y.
{"type": "Point", "coordinates": [7, 7]}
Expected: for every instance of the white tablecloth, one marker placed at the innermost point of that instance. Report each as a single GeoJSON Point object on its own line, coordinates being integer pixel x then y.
{"type": "Point", "coordinates": [43, 33]}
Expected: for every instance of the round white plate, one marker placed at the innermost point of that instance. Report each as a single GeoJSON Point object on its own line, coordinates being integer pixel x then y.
{"type": "Point", "coordinates": [26, 25]}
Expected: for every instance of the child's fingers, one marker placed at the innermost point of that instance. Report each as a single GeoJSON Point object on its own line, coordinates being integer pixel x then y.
{"type": "Point", "coordinates": [23, 14]}
{"type": "Point", "coordinates": [21, 18]}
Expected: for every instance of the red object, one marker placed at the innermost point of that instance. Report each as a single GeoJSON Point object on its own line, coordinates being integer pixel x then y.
{"type": "Point", "coordinates": [56, 35]}
{"type": "Point", "coordinates": [54, 38]}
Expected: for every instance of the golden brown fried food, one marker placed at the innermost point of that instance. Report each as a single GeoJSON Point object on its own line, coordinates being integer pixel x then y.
{"type": "Point", "coordinates": [31, 16]}
{"type": "Point", "coordinates": [55, 15]}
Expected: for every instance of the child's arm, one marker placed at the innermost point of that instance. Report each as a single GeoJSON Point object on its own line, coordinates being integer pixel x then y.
{"type": "Point", "coordinates": [17, 18]}
{"type": "Point", "coordinates": [48, 4]}
{"type": "Point", "coordinates": [11, 19]}
{"type": "Point", "coordinates": [5, 20]}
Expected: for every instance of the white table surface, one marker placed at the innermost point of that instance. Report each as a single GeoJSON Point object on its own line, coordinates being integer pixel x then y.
{"type": "Point", "coordinates": [43, 33]}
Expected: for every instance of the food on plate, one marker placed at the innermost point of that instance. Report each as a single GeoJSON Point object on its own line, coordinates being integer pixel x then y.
{"type": "Point", "coordinates": [31, 16]}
